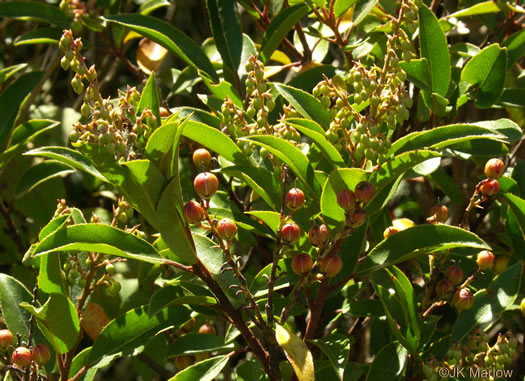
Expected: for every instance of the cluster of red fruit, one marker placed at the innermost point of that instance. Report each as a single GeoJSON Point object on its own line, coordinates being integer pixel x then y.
{"type": "Point", "coordinates": [23, 356]}
{"type": "Point", "coordinates": [319, 235]}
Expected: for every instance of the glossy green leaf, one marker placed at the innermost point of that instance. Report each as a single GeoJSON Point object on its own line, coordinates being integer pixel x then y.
{"type": "Point", "coordinates": [223, 90]}
{"type": "Point", "coordinates": [205, 370]}
{"type": "Point", "coordinates": [416, 241]}
{"type": "Point", "coordinates": [9, 71]}
{"type": "Point", "coordinates": [503, 126]}
{"type": "Point", "coordinates": [98, 238]}
{"type": "Point", "coordinates": [515, 45]}
{"type": "Point", "coordinates": [53, 225]}
{"type": "Point", "coordinates": [343, 178]}
{"type": "Point", "coordinates": [279, 28]}
{"type": "Point", "coordinates": [70, 157]}
{"type": "Point", "coordinates": [447, 184]}
{"type": "Point", "coordinates": [11, 100]}
{"type": "Point", "coordinates": [12, 293]}
{"type": "Point", "coordinates": [50, 280]}
{"type": "Point", "coordinates": [296, 352]}
{"type": "Point", "coordinates": [517, 204]}
{"type": "Point", "coordinates": [226, 30]}
{"type": "Point", "coordinates": [39, 173]}
{"type": "Point", "coordinates": [389, 363]}
{"type": "Point", "coordinates": [197, 115]}
{"type": "Point", "coordinates": [478, 9]}
{"type": "Point", "coordinates": [151, 5]}
{"type": "Point", "coordinates": [128, 334]}
{"type": "Point", "coordinates": [271, 219]}
{"type": "Point", "coordinates": [170, 37]}
{"type": "Point", "coordinates": [418, 72]}
{"type": "Point", "coordinates": [170, 295]}
{"type": "Point", "coordinates": [40, 36]}
{"type": "Point", "coordinates": [512, 98]}
{"type": "Point", "coordinates": [37, 11]}
{"type": "Point", "coordinates": [362, 9]}
{"type": "Point", "coordinates": [194, 343]}
{"type": "Point", "coordinates": [337, 348]}
{"type": "Point", "coordinates": [58, 321]}
{"type": "Point", "coordinates": [434, 48]}
{"type": "Point", "coordinates": [160, 144]}
{"type": "Point", "coordinates": [313, 131]}
{"type": "Point", "coordinates": [149, 98]}
{"type": "Point", "coordinates": [485, 73]}
{"type": "Point", "coordinates": [214, 140]}
{"type": "Point", "coordinates": [306, 104]}
{"type": "Point", "coordinates": [293, 157]}
{"type": "Point", "coordinates": [490, 303]}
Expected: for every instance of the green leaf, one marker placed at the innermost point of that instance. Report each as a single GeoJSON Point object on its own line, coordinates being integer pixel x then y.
{"type": "Point", "coordinates": [150, 99]}
{"type": "Point", "coordinates": [37, 11]}
{"type": "Point", "coordinates": [416, 241]}
{"type": "Point", "coordinates": [12, 293]}
{"type": "Point", "coordinates": [170, 295]}
{"type": "Point", "coordinates": [297, 353]}
{"type": "Point", "coordinates": [503, 126]}
{"type": "Point", "coordinates": [50, 280]}
{"type": "Point", "coordinates": [293, 157]}
{"type": "Point", "coordinates": [362, 9]}
{"type": "Point", "coordinates": [197, 115]}
{"type": "Point", "coordinates": [100, 238]}
{"type": "Point", "coordinates": [434, 48]}
{"type": "Point", "coordinates": [485, 74]}
{"type": "Point", "coordinates": [271, 219]}
{"type": "Point", "coordinates": [53, 225]}
{"type": "Point", "coordinates": [515, 45]}
{"type": "Point", "coordinates": [70, 157]}
{"type": "Point", "coordinates": [58, 321]}
{"type": "Point", "coordinates": [160, 143]}
{"type": "Point", "coordinates": [339, 179]}
{"type": "Point", "coordinates": [279, 28]}
{"type": "Point", "coordinates": [194, 343]}
{"type": "Point", "coordinates": [173, 229]}
{"type": "Point", "coordinates": [39, 173]}
{"type": "Point", "coordinates": [517, 205]}
{"type": "Point", "coordinates": [447, 184]}
{"type": "Point", "coordinates": [306, 104]}
{"type": "Point", "coordinates": [337, 348]}
{"type": "Point", "coordinates": [12, 97]}
{"type": "Point", "coordinates": [479, 9]}
{"type": "Point", "coordinates": [389, 363]}
{"type": "Point", "coordinates": [151, 5]}
{"type": "Point", "coordinates": [226, 30]}
{"type": "Point", "coordinates": [490, 303]}
{"type": "Point", "coordinates": [512, 98]}
{"type": "Point", "coordinates": [205, 370]}
{"type": "Point", "coordinates": [40, 36]}
{"type": "Point", "coordinates": [444, 136]}
{"type": "Point", "coordinates": [7, 72]}
{"type": "Point", "coordinates": [418, 72]}
{"type": "Point", "coordinates": [170, 37]}
{"type": "Point", "coordinates": [214, 140]}
{"type": "Point", "coordinates": [128, 334]}
{"type": "Point", "coordinates": [313, 131]}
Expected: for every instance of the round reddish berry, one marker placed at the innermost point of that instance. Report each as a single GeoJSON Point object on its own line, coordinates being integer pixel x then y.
{"type": "Point", "coordinates": [358, 217]}
{"type": "Point", "coordinates": [21, 357]}
{"type": "Point", "coordinates": [206, 184]}
{"type": "Point", "coordinates": [443, 287]}
{"type": "Point", "coordinates": [207, 329]}
{"type": "Point", "coordinates": [494, 168]}
{"type": "Point", "coordinates": [41, 354]}
{"type": "Point", "coordinates": [226, 229]}
{"type": "Point", "coordinates": [346, 199]}
{"type": "Point", "coordinates": [193, 212]}
{"type": "Point", "coordinates": [331, 265]}
{"type": "Point", "coordinates": [319, 235]}
{"type": "Point", "coordinates": [390, 231]}
{"type": "Point", "coordinates": [490, 187]}
{"type": "Point", "coordinates": [302, 263]}
{"type": "Point", "coordinates": [290, 233]}
{"type": "Point", "coordinates": [501, 263]}
{"type": "Point", "coordinates": [485, 260]}
{"type": "Point", "coordinates": [182, 362]}
{"type": "Point", "coordinates": [455, 274]}
{"type": "Point", "coordinates": [295, 199]}
{"type": "Point", "coordinates": [440, 212]}
{"type": "Point", "coordinates": [201, 158]}
{"type": "Point", "coordinates": [463, 299]}
{"type": "Point", "coordinates": [6, 338]}
{"type": "Point", "coordinates": [364, 191]}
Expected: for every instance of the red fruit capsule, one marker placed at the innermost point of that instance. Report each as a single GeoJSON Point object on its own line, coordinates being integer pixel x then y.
{"type": "Point", "coordinates": [331, 265]}
{"type": "Point", "coordinates": [358, 217]}
{"type": "Point", "coordinates": [485, 260]}
{"type": "Point", "coordinates": [443, 287]}
{"type": "Point", "coordinates": [41, 354]}
{"type": "Point", "coordinates": [290, 233]}
{"type": "Point", "coordinates": [207, 329]}
{"type": "Point", "coordinates": [463, 299]}
{"type": "Point", "coordinates": [346, 199]}
{"type": "Point", "coordinates": [454, 274]}
{"type": "Point", "coordinates": [6, 338]}
{"type": "Point", "coordinates": [21, 357]}
{"type": "Point", "coordinates": [295, 199]}
{"type": "Point", "coordinates": [206, 184]}
{"type": "Point", "coordinates": [201, 158]}
{"type": "Point", "coordinates": [494, 168]}
{"type": "Point", "coordinates": [226, 229]}
{"type": "Point", "coordinates": [302, 264]}
{"type": "Point", "coordinates": [490, 187]}
{"type": "Point", "coordinates": [193, 212]}
{"type": "Point", "coordinates": [319, 235]}
{"type": "Point", "coordinates": [364, 191]}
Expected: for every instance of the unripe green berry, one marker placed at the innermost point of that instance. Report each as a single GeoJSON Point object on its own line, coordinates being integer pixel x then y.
{"type": "Point", "coordinates": [501, 263]}
{"type": "Point", "coordinates": [302, 264]}
{"type": "Point", "coordinates": [110, 268]}
{"type": "Point", "coordinates": [64, 63]}
{"type": "Point", "coordinates": [226, 229]}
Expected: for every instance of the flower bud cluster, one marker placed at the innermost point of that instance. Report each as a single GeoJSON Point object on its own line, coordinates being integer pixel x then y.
{"type": "Point", "coordinates": [123, 212]}
{"type": "Point", "coordinates": [76, 9]}
{"type": "Point", "coordinates": [114, 125]}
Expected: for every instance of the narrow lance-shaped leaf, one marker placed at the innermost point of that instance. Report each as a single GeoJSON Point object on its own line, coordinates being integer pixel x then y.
{"type": "Point", "coordinates": [34, 10]}
{"type": "Point", "coordinates": [150, 99]}
{"type": "Point", "coordinates": [12, 293]}
{"type": "Point", "coordinates": [206, 370]}
{"type": "Point", "coordinates": [297, 353]}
